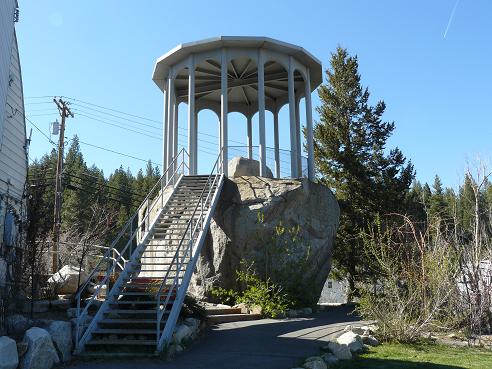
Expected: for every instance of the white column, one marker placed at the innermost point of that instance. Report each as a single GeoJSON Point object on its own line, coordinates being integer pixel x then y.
{"type": "Point", "coordinates": [298, 137]}
{"type": "Point", "coordinates": [175, 132]}
{"type": "Point", "coordinates": [292, 119]}
{"type": "Point", "coordinates": [164, 133]}
{"type": "Point", "coordinates": [170, 122]}
{"type": "Point", "coordinates": [223, 109]}
{"type": "Point", "coordinates": [191, 115]}
{"type": "Point", "coordinates": [309, 127]}
{"type": "Point", "coordinates": [250, 137]}
{"type": "Point", "coordinates": [195, 145]}
{"type": "Point", "coordinates": [261, 112]}
{"type": "Point", "coordinates": [276, 143]}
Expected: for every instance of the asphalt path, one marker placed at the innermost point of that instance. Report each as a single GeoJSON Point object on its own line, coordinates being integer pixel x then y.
{"type": "Point", "coordinates": [266, 343]}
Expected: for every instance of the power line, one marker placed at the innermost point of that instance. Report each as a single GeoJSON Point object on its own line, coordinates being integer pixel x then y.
{"type": "Point", "coordinates": [39, 130]}
{"type": "Point", "coordinates": [116, 125]}
{"type": "Point", "coordinates": [119, 153]}
{"type": "Point", "coordinates": [78, 101]}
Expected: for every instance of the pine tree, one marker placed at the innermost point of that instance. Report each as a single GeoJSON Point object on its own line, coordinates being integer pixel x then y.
{"type": "Point", "coordinates": [350, 154]}
{"type": "Point", "coordinates": [437, 206]}
{"type": "Point", "coordinates": [414, 204]}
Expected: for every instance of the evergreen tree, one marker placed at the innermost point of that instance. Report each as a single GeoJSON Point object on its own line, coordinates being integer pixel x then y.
{"type": "Point", "coordinates": [415, 204]}
{"type": "Point", "coordinates": [351, 157]}
{"type": "Point", "coordinates": [437, 206]}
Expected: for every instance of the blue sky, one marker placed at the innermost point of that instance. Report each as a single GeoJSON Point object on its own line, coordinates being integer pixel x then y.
{"type": "Point", "coordinates": [437, 89]}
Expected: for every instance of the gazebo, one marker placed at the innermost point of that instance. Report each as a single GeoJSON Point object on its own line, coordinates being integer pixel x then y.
{"type": "Point", "coordinates": [239, 74]}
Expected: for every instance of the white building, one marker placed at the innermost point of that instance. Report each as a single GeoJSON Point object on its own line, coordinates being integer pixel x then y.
{"type": "Point", "coordinates": [13, 144]}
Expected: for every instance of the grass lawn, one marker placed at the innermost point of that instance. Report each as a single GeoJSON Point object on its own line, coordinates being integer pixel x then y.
{"type": "Point", "coordinates": [399, 356]}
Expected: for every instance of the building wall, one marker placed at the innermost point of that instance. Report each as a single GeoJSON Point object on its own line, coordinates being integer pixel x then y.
{"type": "Point", "coordinates": [7, 9]}
{"type": "Point", "coordinates": [13, 150]}
{"type": "Point", "coordinates": [334, 292]}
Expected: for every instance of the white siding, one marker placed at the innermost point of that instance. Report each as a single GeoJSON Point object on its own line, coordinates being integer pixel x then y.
{"type": "Point", "coordinates": [7, 8]}
{"type": "Point", "coordinates": [13, 154]}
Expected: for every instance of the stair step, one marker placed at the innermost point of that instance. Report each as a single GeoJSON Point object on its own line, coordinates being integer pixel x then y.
{"type": "Point", "coordinates": [120, 342]}
{"type": "Point", "coordinates": [227, 318]}
{"type": "Point", "coordinates": [103, 355]}
{"type": "Point", "coordinates": [131, 321]}
{"type": "Point", "coordinates": [223, 311]}
{"type": "Point", "coordinates": [138, 302]}
{"type": "Point", "coordinates": [133, 311]}
{"type": "Point", "coordinates": [126, 331]}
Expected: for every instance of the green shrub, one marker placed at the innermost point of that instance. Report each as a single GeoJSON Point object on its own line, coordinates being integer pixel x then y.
{"type": "Point", "coordinates": [265, 294]}
{"type": "Point", "coordinates": [227, 297]}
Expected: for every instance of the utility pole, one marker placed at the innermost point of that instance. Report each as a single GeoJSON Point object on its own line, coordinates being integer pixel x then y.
{"type": "Point", "coordinates": [65, 112]}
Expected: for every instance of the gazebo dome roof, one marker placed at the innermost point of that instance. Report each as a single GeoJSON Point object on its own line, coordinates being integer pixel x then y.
{"type": "Point", "coordinates": [242, 70]}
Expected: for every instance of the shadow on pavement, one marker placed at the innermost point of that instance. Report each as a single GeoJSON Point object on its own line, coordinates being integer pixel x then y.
{"type": "Point", "coordinates": [368, 363]}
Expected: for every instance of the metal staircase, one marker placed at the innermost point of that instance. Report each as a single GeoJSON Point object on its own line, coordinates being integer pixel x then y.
{"type": "Point", "coordinates": [161, 243]}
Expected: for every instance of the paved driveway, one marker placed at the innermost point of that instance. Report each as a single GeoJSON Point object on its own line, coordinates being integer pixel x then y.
{"type": "Point", "coordinates": [266, 343]}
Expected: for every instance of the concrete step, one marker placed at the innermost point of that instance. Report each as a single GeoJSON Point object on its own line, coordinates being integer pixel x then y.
{"type": "Point", "coordinates": [227, 318]}
{"type": "Point", "coordinates": [125, 331]}
{"type": "Point", "coordinates": [223, 311]}
{"type": "Point", "coordinates": [121, 342]}
{"type": "Point", "coordinates": [133, 311]}
{"type": "Point", "coordinates": [130, 321]}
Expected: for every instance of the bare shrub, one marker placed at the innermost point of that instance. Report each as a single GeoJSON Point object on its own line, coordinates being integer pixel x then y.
{"type": "Point", "coordinates": [417, 274]}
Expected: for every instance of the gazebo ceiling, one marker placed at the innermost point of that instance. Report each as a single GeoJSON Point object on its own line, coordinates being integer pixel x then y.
{"type": "Point", "coordinates": [242, 71]}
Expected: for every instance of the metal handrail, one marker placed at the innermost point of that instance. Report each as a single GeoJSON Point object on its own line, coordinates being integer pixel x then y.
{"type": "Point", "coordinates": [201, 204]}
{"type": "Point", "coordinates": [176, 169]}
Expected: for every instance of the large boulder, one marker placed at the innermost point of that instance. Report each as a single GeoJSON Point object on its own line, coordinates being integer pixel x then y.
{"type": "Point", "coordinates": [352, 340]}
{"type": "Point", "coordinates": [236, 233]}
{"type": "Point", "coordinates": [8, 353]}
{"type": "Point", "coordinates": [17, 325]}
{"type": "Point", "coordinates": [341, 352]}
{"type": "Point", "coordinates": [41, 353]}
{"type": "Point", "coordinates": [61, 335]}
{"type": "Point", "coordinates": [239, 166]}
{"type": "Point", "coordinates": [66, 281]}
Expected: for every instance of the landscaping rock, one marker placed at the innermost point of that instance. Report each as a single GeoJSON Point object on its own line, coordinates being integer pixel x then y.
{"type": "Point", "coordinates": [314, 362]}
{"type": "Point", "coordinates": [192, 322]}
{"type": "Point", "coordinates": [307, 311]}
{"type": "Point", "coordinates": [41, 306]}
{"type": "Point", "coordinates": [9, 358]}
{"type": "Point", "coordinates": [61, 335]}
{"type": "Point", "coordinates": [235, 233]}
{"type": "Point", "coordinates": [72, 313]}
{"type": "Point", "coordinates": [243, 307]}
{"type": "Point", "coordinates": [240, 166]}
{"type": "Point", "coordinates": [66, 280]}
{"type": "Point", "coordinates": [17, 325]}
{"type": "Point", "coordinates": [329, 359]}
{"type": "Point", "coordinates": [370, 340]}
{"type": "Point", "coordinates": [183, 332]}
{"type": "Point", "coordinates": [41, 354]}
{"type": "Point", "coordinates": [342, 352]}
{"type": "Point", "coordinates": [21, 348]}
{"type": "Point", "coordinates": [292, 313]}
{"type": "Point", "coordinates": [255, 309]}
{"type": "Point", "coordinates": [352, 340]}
{"type": "Point", "coordinates": [60, 305]}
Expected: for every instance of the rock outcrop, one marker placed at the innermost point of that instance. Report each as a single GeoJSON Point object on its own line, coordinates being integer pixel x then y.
{"type": "Point", "coordinates": [235, 232]}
